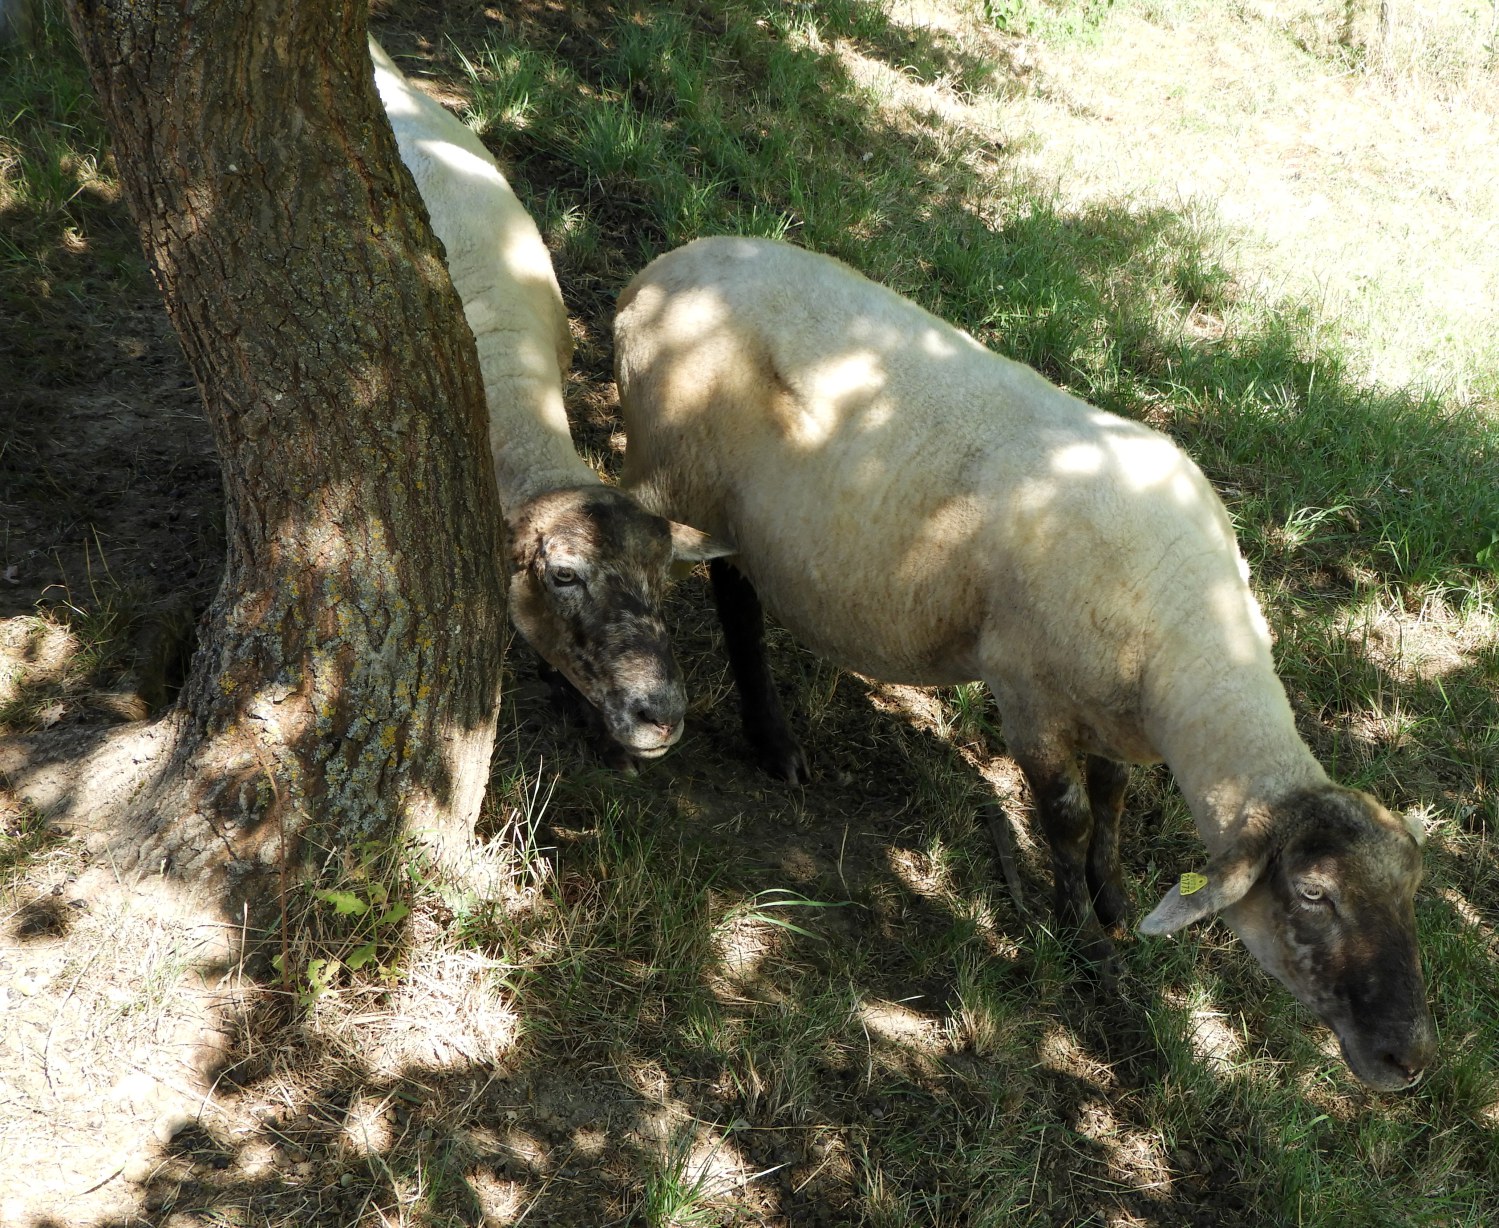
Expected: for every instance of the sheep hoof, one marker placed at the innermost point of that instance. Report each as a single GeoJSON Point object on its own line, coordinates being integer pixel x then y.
{"type": "Point", "coordinates": [783, 758]}
{"type": "Point", "coordinates": [1104, 965]}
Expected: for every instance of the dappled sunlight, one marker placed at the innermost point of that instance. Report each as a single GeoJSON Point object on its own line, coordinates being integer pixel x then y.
{"type": "Point", "coordinates": [1213, 1038]}
{"type": "Point", "coordinates": [1463, 909]}
{"type": "Point", "coordinates": [922, 875]}
{"type": "Point", "coordinates": [976, 1026]}
{"type": "Point", "coordinates": [1133, 1156]}
{"type": "Point", "coordinates": [367, 1126]}
{"type": "Point", "coordinates": [945, 98]}
{"type": "Point", "coordinates": [698, 1160]}
{"type": "Point", "coordinates": [853, 379]}
{"type": "Point", "coordinates": [1060, 1049]}
{"type": "Point", "coordinates": [35, 653]}
{"type": "Point", "coordinates": [447, 1011]}
{"type": "Point", "coordinates": [742, 942]}
{"type": "Point", "coordinates": [1291, 157]}
{"type": "Point", "coordinates": [898, 1025]}
{"type": "Point", "coordinates": [900, 1042]}
{"type": "Point", "coordinates": [1081, 459]}
{"type": "Point", "coordinates": [106, 1049]}
{"type": "Point", "coordinates": [1435, 642]}
{"type": "Point", "coordinates": [591, 1012]}
{"type": "Point", "coordinates": [529, 1150]}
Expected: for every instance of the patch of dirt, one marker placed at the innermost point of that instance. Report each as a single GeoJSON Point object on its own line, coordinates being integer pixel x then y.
{"type": "Point", "coordinates": [108, 1001]}
{"type": "Point", "coordinates": [110, 480]}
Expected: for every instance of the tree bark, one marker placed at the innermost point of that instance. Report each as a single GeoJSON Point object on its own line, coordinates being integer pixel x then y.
{"type": "Point", "coordinates": [346, 684]}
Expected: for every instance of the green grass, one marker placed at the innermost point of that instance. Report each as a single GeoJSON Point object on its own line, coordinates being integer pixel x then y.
{"type": "Point", "coordinates": [62, 242]}
{"type": "Point", "coordinates": [730, 1003]}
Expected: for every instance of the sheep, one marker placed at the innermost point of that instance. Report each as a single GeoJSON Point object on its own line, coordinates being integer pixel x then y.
{"type": "Point", "coordinates": [588, 566]}
{"type": "Point", "coordinates": [916, 508]}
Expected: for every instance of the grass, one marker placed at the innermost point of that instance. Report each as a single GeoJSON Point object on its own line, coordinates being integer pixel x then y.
{"type": "Point", "coordinates": [695, 998]}
{"type": "Point", "coordinates": [61, 667]}
{"type": "Point", "coordinates": [58, 198]}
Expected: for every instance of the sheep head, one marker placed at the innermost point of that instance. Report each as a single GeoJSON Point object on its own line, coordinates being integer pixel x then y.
{"type": "Point", "coordinates": [589, 570]}
{"type": "Point", "coordinates": [1321, 889]}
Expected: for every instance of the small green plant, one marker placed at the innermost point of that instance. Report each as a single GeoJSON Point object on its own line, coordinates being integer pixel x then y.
{"type": "Point", "coordinates": [354, 925]}
{"type": "Point", "coordinates": [757, 908]}
{"type": "Point", "coordinates": [678, 1192]}
{"type": "Point", "coordinates": [968, 712]}
{"type": "Point", "coordinates": [1489, 555]}
{"type": "Point", "coordinates": [1053, 20]}
{"type": "Point", "coordinates": [374, 913]}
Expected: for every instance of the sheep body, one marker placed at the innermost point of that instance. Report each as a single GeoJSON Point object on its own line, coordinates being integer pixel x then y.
{"type": "Point", "coordinates": [503, 274]}
{"type": "Point", "coordinates": [920, 509]}
{"type": "Point", "coordinates": [913, 506]}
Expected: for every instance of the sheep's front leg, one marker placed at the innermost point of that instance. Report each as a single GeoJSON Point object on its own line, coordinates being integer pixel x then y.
{"type": "Point", "coordinates": [764, 718]}
{"type": "Point", "coordinates": [1106, 782]}
{"type": "Point", "coordinates": [1067, 820]}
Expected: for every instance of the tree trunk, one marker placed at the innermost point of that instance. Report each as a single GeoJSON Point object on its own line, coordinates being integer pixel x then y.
{"type": "Point", "coordinates": [346, 684]}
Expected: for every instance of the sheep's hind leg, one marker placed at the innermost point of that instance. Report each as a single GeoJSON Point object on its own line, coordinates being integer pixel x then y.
{"type": "Point", "coordinates": [1106, 782]}
{"type": "Point", "coordinates": [1067, 821]}
{"type": "Point", "coordinates": [764, 718]}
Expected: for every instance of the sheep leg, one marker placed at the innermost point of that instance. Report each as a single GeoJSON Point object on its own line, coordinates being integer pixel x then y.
{"type": "Point", "coordinates": [1067, 820]}
{"type": "Point", "coordinates": [1106, 781]}
{"type": "Point", "coordinates": [764, 719]}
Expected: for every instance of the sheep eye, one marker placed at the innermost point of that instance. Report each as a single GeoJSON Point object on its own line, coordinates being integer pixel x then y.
{"type": "Point", "coordinates": [563, 576]}
{"type": "Point", "coordinates": [1312, 893]}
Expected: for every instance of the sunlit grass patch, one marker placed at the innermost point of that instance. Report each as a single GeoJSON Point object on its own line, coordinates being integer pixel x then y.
{"type": "Point", "coordinates": [61, 242]}
{"type": "Point", "coordinates": [25, 835]}
{"type": "Point", "coordinates": [50, 147]}
{"type": "Point", "coordinates": [67, 662]}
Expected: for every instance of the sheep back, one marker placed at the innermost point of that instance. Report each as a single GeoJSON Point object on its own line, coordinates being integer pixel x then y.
{"type": "Point", "coordinates": [910, 504]}
{"type": "Point", "coordinates": [503, 273]}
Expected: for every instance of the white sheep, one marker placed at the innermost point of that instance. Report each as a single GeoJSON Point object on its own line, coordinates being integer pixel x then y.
{"type": "Point", "coordinates": [588, 565]}
{"type": "Point", "coordinates": [917, 508]}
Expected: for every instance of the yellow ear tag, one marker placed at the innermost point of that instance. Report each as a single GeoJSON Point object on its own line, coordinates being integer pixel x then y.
{"type": "Point", "coordinates": [1193, 882]}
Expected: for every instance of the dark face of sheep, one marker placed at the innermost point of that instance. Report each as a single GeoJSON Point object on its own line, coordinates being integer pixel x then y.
{"type": "Point", "coordinates": [589, 570]}
{"type": "Point", "coordinates": [1325, 900]}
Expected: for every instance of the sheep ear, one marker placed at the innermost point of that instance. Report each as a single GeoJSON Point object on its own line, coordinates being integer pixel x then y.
{"type": "Point", "coordinates": [689, 545]}
{"type": "Point", "coordinates": [1226, 881]}
{"type": "Point", "coordinates": [524, 546]}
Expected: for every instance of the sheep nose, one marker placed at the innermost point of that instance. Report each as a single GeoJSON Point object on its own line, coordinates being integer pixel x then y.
{"type": "Point", "coordinates": [660, 715]}
{"type": "Point", "coordinates": [1409, 1065]}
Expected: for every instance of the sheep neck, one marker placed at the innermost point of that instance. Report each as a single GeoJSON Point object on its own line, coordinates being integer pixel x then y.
{"type": "Point", "coordinates": [1230, 741]}
{"type": "Point", "coordinates": [533, 451]}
